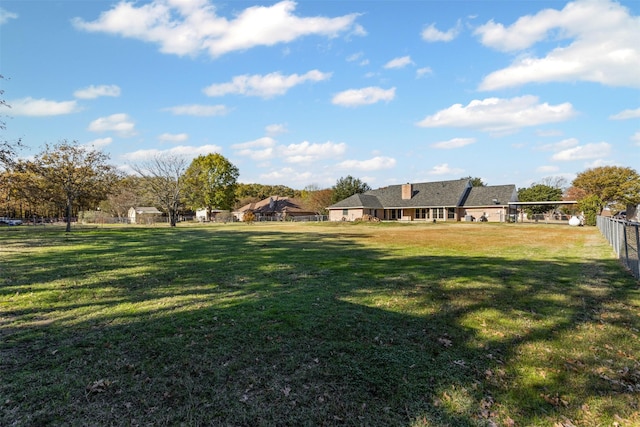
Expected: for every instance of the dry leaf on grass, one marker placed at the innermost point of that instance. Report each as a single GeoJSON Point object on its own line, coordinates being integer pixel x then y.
{"type": "Point", "coordinates": [99, 386]}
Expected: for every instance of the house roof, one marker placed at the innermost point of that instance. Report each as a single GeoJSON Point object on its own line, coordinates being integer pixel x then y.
{"type": "Point", "coordinates": [424, 195]}
{"type": "Point", "coordinates": [498, 195]}
{"type": "Point", "coordinates": [276, 204]}
{"type": "Point", "coordinates": [146, 210]}
{"type": "Point", "coordinates": [432, 195]}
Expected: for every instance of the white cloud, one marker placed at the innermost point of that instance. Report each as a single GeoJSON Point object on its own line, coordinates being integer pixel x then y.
{"type": "Point", "coordinates": [193, 27]}
{"type": "Point", "coordinates": [93, 92]}
{"type": "Point", "coordinates": [453, 143]}
{"type": "Point", "coordinates": [42, 107]}
{"type": "Point", "coordinates": [173, 137]}
{"type": "Point", "coordinates": [100, 143]}
{"type": "Point", "coordinates": [499, 114]}
{"type": "Point", "coordinates": [5, 15]}
{"type": "Point", "coordinates": [198, 110]}
{"type": "Point", "coordinates": [400, 62]}
{"type": "Point", "coordinates": [276, 129]}
{"type": "Point", "coordinates": [626, 114]}
{"type": "Point", "coordinates": [432, 34]}
{"type": "Point", "coordinates": [603, 46]}
{"type": "Point", "coordinates": [259, 149]}
{"type": "Point", "coordinates": [636, 138]}
{"type": "Point", "coordinates": [565, 144]}
{"type": "Point", "coordinates": [181, 150]}
{"type": "Point", "coordinates": [376, 163]}
{"type": "Point", "coordinates": [266, 86]}
{"type": "Point", "coordinates": [445, 169]}
{"type": "Point", "coordinates": [582, 152]}
{"type": "Point", "coordinates": [424, 71]}
{"type": "Point", "coordinates": [355, 57]}
{"type": "Point", "coordinates": [364, 96]}
{"type": "Point", "coordinates": [306, 152]}
{"type": "Point", "coordinates": [120, 123]}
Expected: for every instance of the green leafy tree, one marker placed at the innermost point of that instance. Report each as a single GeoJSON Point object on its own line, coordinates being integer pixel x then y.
{"type": "Point", "coordinates": [256, 192]}
{"type": "Point", "coordinates": [211, 183]}
{"type": "Point", "coordinates": [614, 185]}
{"type": "Point", "coordinates": [539, 193]}
{"type": "Point", "coordinates": [71, 175]}
{"type": "Point", "coordinates": [348, 186]}
{"type": "Point", "coordinates": [475, 181]}
{"type": "Point", "coordinates": [591, 206]}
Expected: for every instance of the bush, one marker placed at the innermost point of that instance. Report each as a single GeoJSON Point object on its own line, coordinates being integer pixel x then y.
{"type": "Point", "coordinates": [248, 217]}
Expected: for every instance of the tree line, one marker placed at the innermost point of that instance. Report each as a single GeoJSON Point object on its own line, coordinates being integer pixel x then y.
{"type": "Point", "coordinates": [67, 178]}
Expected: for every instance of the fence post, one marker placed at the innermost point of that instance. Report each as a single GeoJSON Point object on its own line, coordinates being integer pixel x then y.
{"type": "Point", "coordinates": [637, 227]}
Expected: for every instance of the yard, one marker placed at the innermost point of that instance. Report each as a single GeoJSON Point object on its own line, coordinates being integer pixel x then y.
{"type": "Point", "coordinates": [317, 324]}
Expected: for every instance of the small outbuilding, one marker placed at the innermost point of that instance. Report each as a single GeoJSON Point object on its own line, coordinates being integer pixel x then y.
{"type": "Point", "coordinates": [143, 214]}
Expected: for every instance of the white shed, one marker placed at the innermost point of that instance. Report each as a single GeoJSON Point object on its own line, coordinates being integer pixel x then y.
{"type": "Point", "coordinates": [143, 214]}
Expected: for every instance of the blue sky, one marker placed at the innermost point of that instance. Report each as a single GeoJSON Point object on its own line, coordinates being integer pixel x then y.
{"type": "Point", "coordinates": [300, 93]}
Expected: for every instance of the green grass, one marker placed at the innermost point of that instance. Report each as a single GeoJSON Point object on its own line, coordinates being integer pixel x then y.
{"type": "Point", "coordinates": [317, 324]}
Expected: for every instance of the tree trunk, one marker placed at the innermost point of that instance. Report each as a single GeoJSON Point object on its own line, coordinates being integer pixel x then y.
{"type": "Point", "coordinates": [69, 203]}
{"type": "Point", "coordinates": [172, 217]}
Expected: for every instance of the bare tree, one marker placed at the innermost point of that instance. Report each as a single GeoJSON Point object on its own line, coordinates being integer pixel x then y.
{"type": "Point", "coordinates": [555, 182]}
{"type": "Point", "coordinates": [164, 178]}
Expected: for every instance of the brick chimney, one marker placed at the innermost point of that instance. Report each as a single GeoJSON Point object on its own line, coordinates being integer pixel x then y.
{"type": "Point", "coordinates": [407, 191]}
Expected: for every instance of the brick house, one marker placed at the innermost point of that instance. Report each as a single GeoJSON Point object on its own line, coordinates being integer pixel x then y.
{"type": "Point", "coordinates": [455, 200]}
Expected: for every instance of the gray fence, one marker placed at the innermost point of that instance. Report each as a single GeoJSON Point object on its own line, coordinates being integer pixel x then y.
{"type": "Point", "coordinates": [624, 237]}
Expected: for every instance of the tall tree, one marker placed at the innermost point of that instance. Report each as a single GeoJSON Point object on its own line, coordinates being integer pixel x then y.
{"type": "Point", "coordinates": [211, 183]}
{"type": "Point", "coordinates": [613, 185]}
{"type": "Point", "coordinates": [317, 199]}
{"type": "Point", "coordinates": [262, 191]}
{"type": "Point", "coordinates": [164, 179]}
{"type": "Point", "coordinates": [8, 149]}
{"type": "Point", "coordinates": [539, 193]}
{"type": "Point", "coordinates": [348, 186]}
{"type": "Point", "coordinates": [71, 173]}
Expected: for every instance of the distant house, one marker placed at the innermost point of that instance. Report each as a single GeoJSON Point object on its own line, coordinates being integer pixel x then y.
{"type": "Point", "coordinates": [454, 200]}
{"type": "Point", "coordinates": [143, 214]}
{"type": "Point", "coordinates": [274, 208]}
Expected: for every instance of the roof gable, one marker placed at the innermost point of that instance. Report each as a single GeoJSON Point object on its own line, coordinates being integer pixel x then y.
{"type": "Point", "coordinates": [275, 204]}
{"type": "Point", "coordinates": [492, 195]}
{"type": "Point", "coordinates": [146, 210]}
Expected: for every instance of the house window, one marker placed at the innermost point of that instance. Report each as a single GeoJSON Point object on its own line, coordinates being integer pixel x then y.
{"type": "Point", "coordinates": [451, 213]}
{"type": "Point", "coordinates": [345, 212]}
{"type": "Point", "coordinates": [422, 213]}
{"type": "Point", "coordinates": [438, 213]}
{"type": "Point", "coordinates": [396, 213]}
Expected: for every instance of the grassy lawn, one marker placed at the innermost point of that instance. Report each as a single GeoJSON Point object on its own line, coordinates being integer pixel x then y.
{"type": "Point", "coordinates": [317, 324]}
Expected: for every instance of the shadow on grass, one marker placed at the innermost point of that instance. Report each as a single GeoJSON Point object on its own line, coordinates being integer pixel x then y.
{"type": "Point", "coordinates": [227, 327]}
